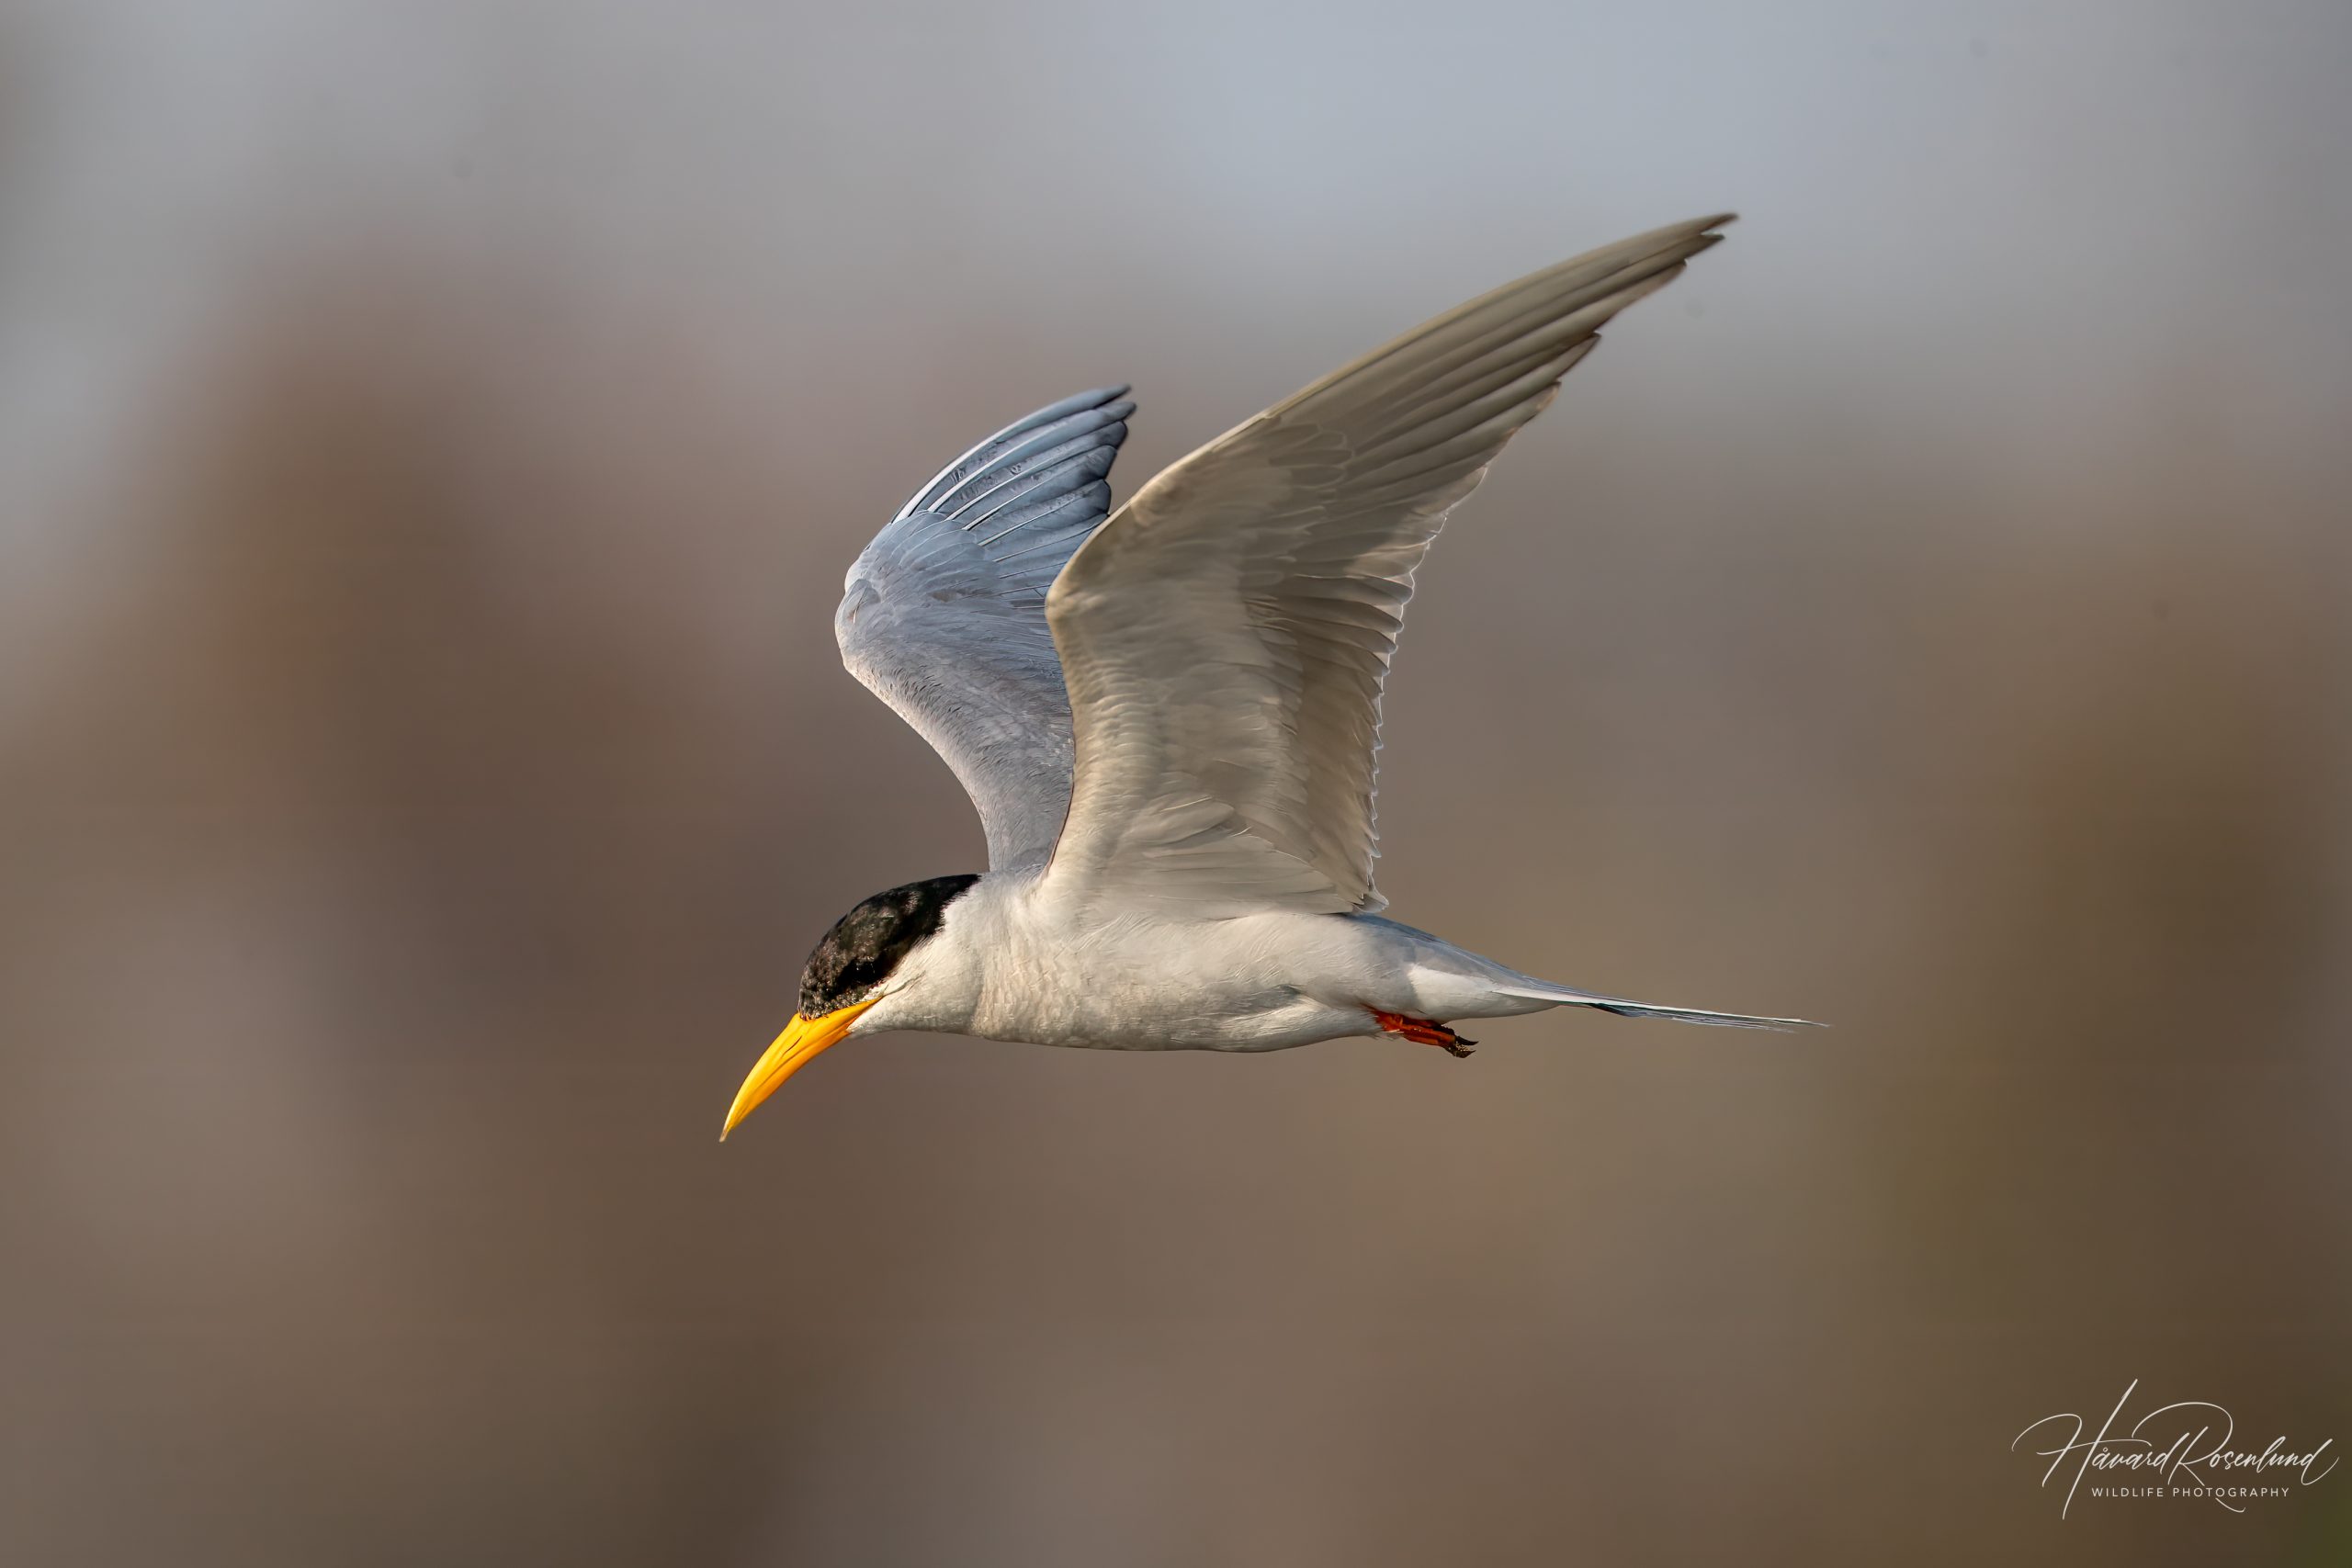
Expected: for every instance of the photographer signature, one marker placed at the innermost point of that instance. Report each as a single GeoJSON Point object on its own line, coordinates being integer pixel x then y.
{"type": "Point", "coordinates": [2182, 1450]}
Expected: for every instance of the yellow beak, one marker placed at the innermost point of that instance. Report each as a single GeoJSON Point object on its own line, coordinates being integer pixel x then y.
{"type": "Point", "coordinates": [801, 1039]}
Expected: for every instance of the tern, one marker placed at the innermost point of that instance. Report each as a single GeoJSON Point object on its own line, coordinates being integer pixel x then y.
{"type": "Point", "coordinates": [1169, 716]}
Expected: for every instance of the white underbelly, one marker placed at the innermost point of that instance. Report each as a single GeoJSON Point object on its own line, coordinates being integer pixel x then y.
{"type": "Point", "coordinates": [1257, 984]}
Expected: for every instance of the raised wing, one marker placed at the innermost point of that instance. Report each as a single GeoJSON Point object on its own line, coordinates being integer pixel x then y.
{"type": "Point", "coordinates": [944, 616]}
{"type": "Point", "coordinates": [1225, 635]}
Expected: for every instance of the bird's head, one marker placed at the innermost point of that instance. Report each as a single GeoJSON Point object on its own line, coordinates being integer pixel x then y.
{"type": "Point", "coordinates": [872, 954]}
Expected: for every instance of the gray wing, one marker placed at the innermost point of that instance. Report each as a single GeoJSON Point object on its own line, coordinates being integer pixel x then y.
{"type": "Point", "coordinates": [1225, 635]}
{"type": "Point", "coordinates": [944, 616]}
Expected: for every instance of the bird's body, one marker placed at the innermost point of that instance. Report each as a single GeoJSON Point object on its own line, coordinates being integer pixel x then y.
{"type": "Point", "coordinates": [1012, 964]}
{"type": "Point", "coordinates": [1169, 716]}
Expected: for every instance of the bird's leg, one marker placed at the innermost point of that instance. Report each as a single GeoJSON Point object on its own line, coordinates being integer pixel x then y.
{"type": "Point", "coordinates": [1421, 1032]}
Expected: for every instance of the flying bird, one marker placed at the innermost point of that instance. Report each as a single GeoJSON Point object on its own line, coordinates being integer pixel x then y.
{"type": "Point", "coordinates": [1168, 715]}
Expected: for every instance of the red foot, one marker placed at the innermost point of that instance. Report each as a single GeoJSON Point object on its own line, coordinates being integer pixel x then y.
{"type": "Point", "coordinates": [1421, 1032]}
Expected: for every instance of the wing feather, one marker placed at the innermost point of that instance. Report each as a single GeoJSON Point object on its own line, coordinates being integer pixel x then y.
{"type": "Point", "coordinates": [944, 617]}
{"type": "Point", "coordinates": [1224, 636]}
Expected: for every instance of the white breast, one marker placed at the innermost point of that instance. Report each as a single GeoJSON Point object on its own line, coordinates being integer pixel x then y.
{"type": "Point", "coordinates": [1254, 983]}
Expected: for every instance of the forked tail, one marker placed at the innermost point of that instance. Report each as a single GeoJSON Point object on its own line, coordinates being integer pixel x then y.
{"type": "Point", "coordinates": [1568, 995]}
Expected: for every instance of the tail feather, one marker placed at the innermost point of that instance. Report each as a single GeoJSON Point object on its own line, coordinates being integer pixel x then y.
{"type": "Point", "coordinates": [1566, 995]}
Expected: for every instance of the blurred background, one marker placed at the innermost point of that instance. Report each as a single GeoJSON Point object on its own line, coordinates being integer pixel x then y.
{"type": "Point", "coordinates": [431, 440]}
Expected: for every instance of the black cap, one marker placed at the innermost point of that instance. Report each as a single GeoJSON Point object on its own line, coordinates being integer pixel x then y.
{"type": "Point", "coordinates": [867, 946]}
